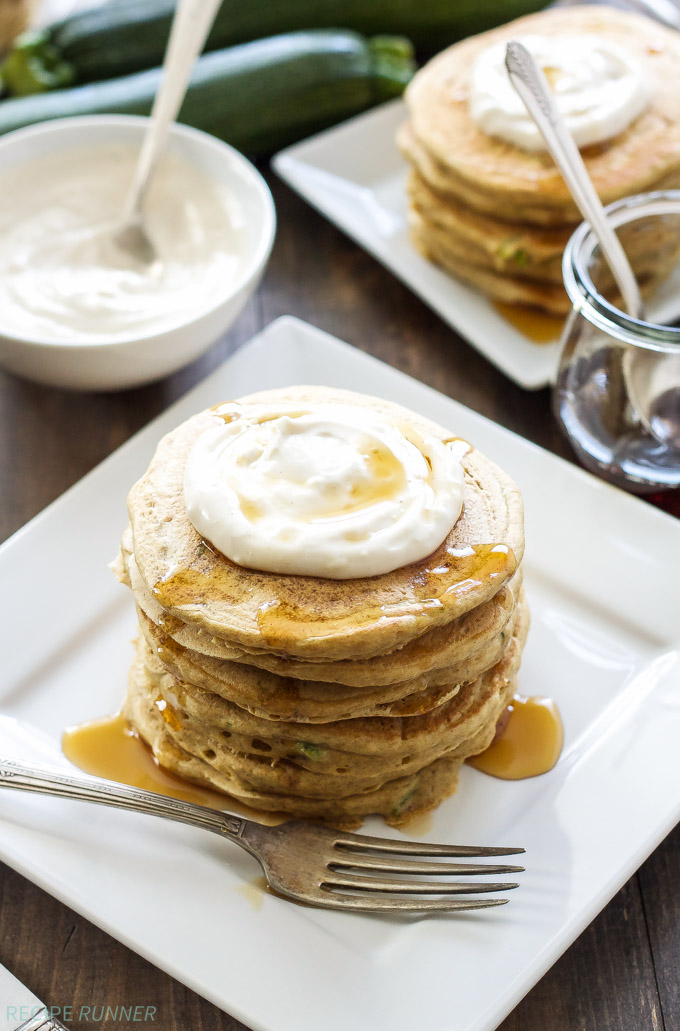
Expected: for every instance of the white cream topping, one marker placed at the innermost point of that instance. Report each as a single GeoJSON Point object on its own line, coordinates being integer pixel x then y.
{"type": "Point", "coordinates": [321, 489]}
{"type": "Point", "coordinates": [62, 277]}
{"type": "Point", "coordinates": [598, 87]}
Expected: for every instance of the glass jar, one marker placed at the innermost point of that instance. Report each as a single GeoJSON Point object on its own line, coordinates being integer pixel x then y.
{"type": "Point", "coordinates": [617, 394]}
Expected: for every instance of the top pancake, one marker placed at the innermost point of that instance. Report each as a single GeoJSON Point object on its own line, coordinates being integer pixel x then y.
{"type": "Point", "coordinates": [313, 617]}
{"type": "Point", "coordinates": [644, 154]}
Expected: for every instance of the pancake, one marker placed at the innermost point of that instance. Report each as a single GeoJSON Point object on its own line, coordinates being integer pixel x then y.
{"type": "Point", "coordinates": [399, 801]}
{"type": "Point", "coordinates": [426, 658]}
{"type": "Point", "coordinates": [514, 249]}
{"type": "Point", "coordinates": [641, 157]}
{"type": "Point", "coordinates": [319, 769]}
{"type": "Point", "coordinates": [312, 617]}
{"type": "Point", "coordinates": [549, 297]}
{"type": "Point", "coordinates": [525, 251]}
{"type": "Point", "coordinates": [381, 737]}
{"type": "Point", "coordinates": [275, 697]}
{"type": "Point", "coordinates": [380, 756]}
{"type": "Point", "coordinates": [471, 198]}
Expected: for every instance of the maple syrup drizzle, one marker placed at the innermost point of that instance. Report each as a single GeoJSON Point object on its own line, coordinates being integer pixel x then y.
{"type": "Point", "coordinates": [251, 511]}
{"type": "Point", "coordinates": [537, 326]}
{"type": "Point", "coordinates": [254, 891]}
{"type": "Point", "coordinates": [226, 417]}
{"type": "Point", "coordinates": [418, 827]}
{"type": "Point", "coordinates": [457, 572]}
{"type": "Point", "coordinates": [471, 566]}
{"type": "Point", "coordinates": [388, 480]}
{"type": "Point", "coordinates": [169, 623]}
{"type": "Point", "coordinates": [190, 585]}
{"type": "Point", "coordinates": [528, 744]}
{"type": "Point", "coordinates": [110, 748]}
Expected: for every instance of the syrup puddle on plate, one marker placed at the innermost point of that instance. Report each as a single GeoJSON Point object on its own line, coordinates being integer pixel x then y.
{"type": "Point", "coordinates": [419, 826]}
{"type": "Point", "coordinates": [109, 748]}
{"type": "Point", "coordinates": [536, 325]}
{"type": "Point", "coordinates": [254, 891]}
{"type": "Point", "coordinates": [528, 744]}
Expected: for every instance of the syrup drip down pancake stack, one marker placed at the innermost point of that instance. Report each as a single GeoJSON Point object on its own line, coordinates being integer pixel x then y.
{"type": "Point", "coordinates": [309, 688]}
{"type": "Point", "coordinates": [486, 201]}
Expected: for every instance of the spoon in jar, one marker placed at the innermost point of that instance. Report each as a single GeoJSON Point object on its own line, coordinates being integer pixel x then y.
{"type": "Point", "coordinates": [643, 372]}
{"type": "Point", "coordinates": [189, 30]}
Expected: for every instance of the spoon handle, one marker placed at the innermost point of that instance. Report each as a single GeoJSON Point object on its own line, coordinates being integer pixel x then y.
{"type": "Point", "coordinates": [532, 86]}
{"type": "Point", "coordinates": [188, 33]}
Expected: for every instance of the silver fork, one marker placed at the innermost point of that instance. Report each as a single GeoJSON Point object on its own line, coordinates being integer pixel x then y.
{"type": "Point", "coordinates": [302, 861]}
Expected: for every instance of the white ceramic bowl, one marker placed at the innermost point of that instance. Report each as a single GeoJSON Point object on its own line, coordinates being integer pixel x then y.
{"type": "Point", "coordinates": [145, 357]}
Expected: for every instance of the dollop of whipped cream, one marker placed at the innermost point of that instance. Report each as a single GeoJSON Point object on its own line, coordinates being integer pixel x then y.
{"type": "Point", "coordinates": [598, 87]}
{"type": "Point", "coordinates": [327, 490]}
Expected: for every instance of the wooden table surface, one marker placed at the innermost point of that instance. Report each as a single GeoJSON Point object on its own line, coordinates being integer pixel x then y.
{"type": "Point", "coordinates": [623, 973]}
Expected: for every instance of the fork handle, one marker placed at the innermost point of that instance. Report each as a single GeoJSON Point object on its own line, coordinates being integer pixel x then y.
{"type": "Point", "coordinates": [48, 781]}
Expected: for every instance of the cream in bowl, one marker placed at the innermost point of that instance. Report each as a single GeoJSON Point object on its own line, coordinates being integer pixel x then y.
{"type": "Point", "coordinates": [64, 277]}
{"type": "Point", "coordinates": [78, 311]}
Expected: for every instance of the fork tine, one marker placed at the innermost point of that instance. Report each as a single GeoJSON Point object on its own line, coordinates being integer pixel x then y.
{"type": "Point", "coordinates": [360, 842]}
{"type": "Point", "coordinates": [371, 884]}
{"type": "Point", "coordinates": [370, 904]}
{"type": "Point", "coordinates": [386, 864]}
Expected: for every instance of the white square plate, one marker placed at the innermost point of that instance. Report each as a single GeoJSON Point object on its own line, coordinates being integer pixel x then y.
{"type": "Point", "coordinates": [601, 570]}
{"type": "Point", "coordinates": [355, 176]}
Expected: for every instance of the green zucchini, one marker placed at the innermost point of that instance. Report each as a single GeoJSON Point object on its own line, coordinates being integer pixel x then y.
{"type": "Point", "coordinates": [33, 66]}
{"type": "Point", "coordinates": [258, 96]}
{"type": "Point", "coordinates": [310, 750]}
{"type": "Point", "coordinates": [127, 36]}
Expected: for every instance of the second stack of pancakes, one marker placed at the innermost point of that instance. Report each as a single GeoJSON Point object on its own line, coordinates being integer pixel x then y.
{"type": "Point", "coordinates": [323, 698]}
{"type": "Point", "coordinates": [498, 216]}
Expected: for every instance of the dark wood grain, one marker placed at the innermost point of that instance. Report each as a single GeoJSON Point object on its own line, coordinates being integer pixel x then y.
{"type": "Point", "coordinates": [622, 974]}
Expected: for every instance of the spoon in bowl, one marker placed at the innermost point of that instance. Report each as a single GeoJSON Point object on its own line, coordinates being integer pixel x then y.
{"type": "Point", "coordinates": [643, 372]}
{"type": "Point", "coordinates": [189, 30]}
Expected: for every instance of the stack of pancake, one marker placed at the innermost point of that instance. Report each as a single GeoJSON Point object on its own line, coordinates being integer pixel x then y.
{"type": "Point", "coordinates": [322, 698]}
{"type": "Point", "coordinates": [498, 216]}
